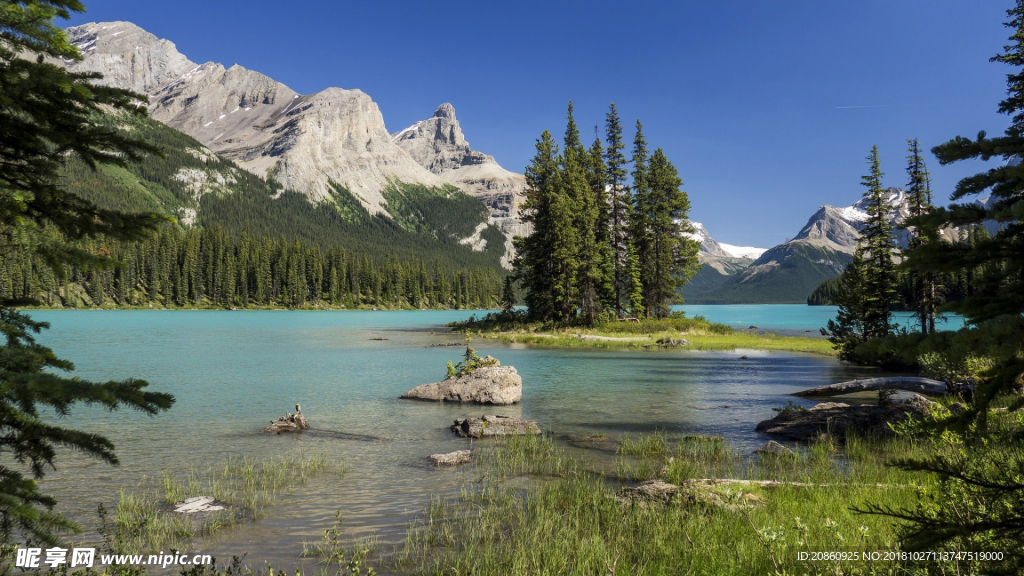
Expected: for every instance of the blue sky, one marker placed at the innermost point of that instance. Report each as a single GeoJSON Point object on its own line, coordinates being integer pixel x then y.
{"type": "Point", "coordinates": [767, 107]}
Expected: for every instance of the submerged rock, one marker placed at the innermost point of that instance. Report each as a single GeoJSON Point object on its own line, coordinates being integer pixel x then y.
{"type": "Point", "coordinates": [494, 426]}
{"type": "Point", "coordinates": [494, 384]}
{"type": "Point", "coordinates": [288, 423]}
{"type": "Point", "coordinates": [836, 418]}
{"type": "Point", "coordinates": [773, 448]}
{"type": "Point", "coordinates": [451, 458]}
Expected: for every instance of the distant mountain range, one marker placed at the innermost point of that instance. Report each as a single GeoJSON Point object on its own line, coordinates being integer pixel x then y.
{"type": "Point", "coordinates": [332, 146]}
{"type": "Point", "coordinates": [789, 272]}
{"type": "Point", "coordinates": [246, 152]}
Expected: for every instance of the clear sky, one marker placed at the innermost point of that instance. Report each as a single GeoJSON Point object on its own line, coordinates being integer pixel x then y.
{"type": "Point", "coordinates": [766, 107]}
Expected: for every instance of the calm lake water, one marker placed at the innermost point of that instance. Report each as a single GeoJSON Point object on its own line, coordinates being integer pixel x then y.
{"type": "Point", "coordinates": [792, 318]}
{"type": "Point", "coordinates": [232, 372]}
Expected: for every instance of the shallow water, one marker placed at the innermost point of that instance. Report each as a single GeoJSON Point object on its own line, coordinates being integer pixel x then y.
{"type": "Point", "coordinates": [232, 372]}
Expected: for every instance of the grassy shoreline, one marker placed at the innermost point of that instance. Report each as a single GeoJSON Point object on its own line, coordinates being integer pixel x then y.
{"type": "Point", "coordinates": [577, 520]}
{"type": "Point", "coordinates": [677, 332]}
{"type": "Point", "coordinates": [695, 341]}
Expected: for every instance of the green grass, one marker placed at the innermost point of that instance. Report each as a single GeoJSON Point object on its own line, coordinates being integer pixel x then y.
{"type": "Point", "coordinates": [696, 341]}
{"type": "Point", "coordinates": [571, 523]}
{"type": "Point", "coordinates": [144, 518]}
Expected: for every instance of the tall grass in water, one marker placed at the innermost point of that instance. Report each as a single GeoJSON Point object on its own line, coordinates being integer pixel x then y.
{"type": "Point", "coordinates": [145, 519]}
{"type": "Point", "coordinates": [574, 524]}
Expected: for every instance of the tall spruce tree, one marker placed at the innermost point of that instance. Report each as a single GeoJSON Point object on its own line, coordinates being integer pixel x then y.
{"type": "Point", "coordinates": [620, 209]}
{"type": "Point", "coordinates": [597, 259]}
{"type": "Point", "coordinates": [639, 221]}
{"type": "Point", "coordinates": [673, 254]}
{"type": "Point", "coordinates": [47, 115]}
{"type": "Point", "coordinates": [925, 292]}
{"type": "Point", "coordinates": [570, 207]}
{"type": "Point", "coordinates": [877, 249]}
{"type": "Point", "coordinates": [534, 264]}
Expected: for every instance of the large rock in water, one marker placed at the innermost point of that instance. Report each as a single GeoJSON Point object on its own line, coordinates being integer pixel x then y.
{"type": "Point", "coordinates": [487, 385]}
{"type": "Point", "coordinates": [451, 458]}
{"type": "Point", "coordinates": [494, 426]}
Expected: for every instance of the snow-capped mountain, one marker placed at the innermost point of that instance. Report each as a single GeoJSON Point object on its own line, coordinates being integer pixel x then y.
{"type": "Point", "coordinates": [839, 228]}
{"type": "Point", "coordinates": [792, 270]}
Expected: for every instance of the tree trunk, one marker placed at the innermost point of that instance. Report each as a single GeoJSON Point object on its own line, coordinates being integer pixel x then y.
{"type": "Point", "coordinates": [908, 383]}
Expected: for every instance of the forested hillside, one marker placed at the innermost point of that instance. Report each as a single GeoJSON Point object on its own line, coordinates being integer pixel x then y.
{"type": "Point", "coordinates": [239, 240]}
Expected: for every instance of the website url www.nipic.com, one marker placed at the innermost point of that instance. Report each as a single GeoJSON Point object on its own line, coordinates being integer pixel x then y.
{"type": "Point", "coordinates": [86, 558]}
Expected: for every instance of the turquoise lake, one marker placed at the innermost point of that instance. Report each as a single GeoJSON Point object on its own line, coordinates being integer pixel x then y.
{"type": "Point", "coordinates": [234, 371]}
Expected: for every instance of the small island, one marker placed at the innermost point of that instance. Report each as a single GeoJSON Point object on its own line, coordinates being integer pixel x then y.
{"type": "Point", "coordinates": [473, 380]}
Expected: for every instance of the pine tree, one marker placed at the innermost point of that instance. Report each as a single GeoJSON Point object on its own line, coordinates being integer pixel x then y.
{"type": "Point", "coordinates": [639, 221]}
{"type": "Point", "coordinates": [508, 296]}
{"type": "Point", "coordinates": [620, 207]}
{"type": "Point", "coordinates": [566, 235]}
{"type": "Point", "coordinates": [584, 178]}
{"type": "Point", "coordinates": [597, 175]}
{"type": "Point", "coordinates": [48, 117]}
{"type": "Point", "coordinates": [877, 249]}
{"type": "Point", "coordinates": [534, 263]}
{"type": "Point", "coordinates": [636, 284]}
{"type": "Point", "coordinates": [673, 255]}
{"type": "Point", "coordinates": [847, 331]}
{"type": "Point", "coordinates": [926, 296]}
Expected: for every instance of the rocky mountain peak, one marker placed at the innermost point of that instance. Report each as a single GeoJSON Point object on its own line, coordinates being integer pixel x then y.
{"type": "Point", "coordinates": [307, 142]}
{"type": "Point", "coordinates": [438, 145]}
{"type": "Point", "coordinates": [839, 228]}
{"type": "Point", "coordinates": [445, 110]}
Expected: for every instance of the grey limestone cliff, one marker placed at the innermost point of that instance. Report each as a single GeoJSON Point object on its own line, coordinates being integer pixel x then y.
{"type": "Point", "coordinates": [307, 142]}
{"type": "Point", "coordinates": [439, 145]}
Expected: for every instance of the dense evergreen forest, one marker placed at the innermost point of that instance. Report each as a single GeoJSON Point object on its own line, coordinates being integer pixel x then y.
{"type": "Point", "coordinates": [601, 247]}
{"type": "Point", "coordinates": [209, 267]}
{"type": "Point", "coordinates": [236, 240]}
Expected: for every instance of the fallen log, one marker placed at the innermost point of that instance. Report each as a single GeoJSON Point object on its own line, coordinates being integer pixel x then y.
{"type": "Point", "coordinates": [908, 383]}
{"type": "Point", "coordinates": [288, 423]}
{"type": "Point", "coordinates": [782, 483]}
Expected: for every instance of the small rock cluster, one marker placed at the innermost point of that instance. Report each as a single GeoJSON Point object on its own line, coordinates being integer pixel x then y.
{"type": "Point", "coordinates": [487, 426]}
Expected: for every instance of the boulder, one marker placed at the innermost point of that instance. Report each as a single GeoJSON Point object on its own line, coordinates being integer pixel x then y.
{"type": "Point", "coordinates": [197, 504]}
{"type": "Point", "coordinates": [773, 448]}
{"type": "Point", "coordinates": [493, 384]}
{"type": "Point", "coordinates": [486, 426]}
{"type": "Point", "coordinates": [451, 458]}
{"type": "Point", "coordinates": [288, 423]}
{"type": "Point", "coordinates": [836, 418]}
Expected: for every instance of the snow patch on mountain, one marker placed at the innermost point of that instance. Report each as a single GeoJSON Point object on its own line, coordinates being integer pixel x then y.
{"type": "Point", "coordinates": [743, 251]}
